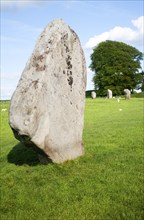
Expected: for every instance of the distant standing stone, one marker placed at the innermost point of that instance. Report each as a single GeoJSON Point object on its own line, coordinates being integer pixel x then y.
{"type": "Point", "coordinates": [47, 107]}
{"type": "Point", "coordinates": [93, 95]}
{"type": "Point", "coordinates": [109, 94]}
{"type": "Point", "coordinates": [127, 93]}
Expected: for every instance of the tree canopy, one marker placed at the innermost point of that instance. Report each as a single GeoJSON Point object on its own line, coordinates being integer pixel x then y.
{"type": "Point", "coordinates": [116, 66]}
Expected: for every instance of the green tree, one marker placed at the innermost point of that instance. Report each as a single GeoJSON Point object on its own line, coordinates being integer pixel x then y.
{"type": "Point", "coordinates": [116, 66]}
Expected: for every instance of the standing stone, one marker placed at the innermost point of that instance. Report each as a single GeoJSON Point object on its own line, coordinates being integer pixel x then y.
{"type": "Point", "coordinates": [47, 107]}
{"type": "Point", "coordinates": [127, 93]}
{"type": "Point", "coordinates": [93, 95]}
{"type": "Point", "coordinates": [109, 94]}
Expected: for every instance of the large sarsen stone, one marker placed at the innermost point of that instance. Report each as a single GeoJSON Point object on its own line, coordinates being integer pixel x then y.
{"type": "Point", "coordinates": [47, 107]}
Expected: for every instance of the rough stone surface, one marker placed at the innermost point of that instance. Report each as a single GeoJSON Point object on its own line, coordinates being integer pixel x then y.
{"type": "Point", "coordinates": [127, 93]}
{"type": "Point", "coordinates": [93, 95]}
{"type": "Point", "coordinates": [109, 94]}
{"type": "Point", "coordinates": [47, 107]}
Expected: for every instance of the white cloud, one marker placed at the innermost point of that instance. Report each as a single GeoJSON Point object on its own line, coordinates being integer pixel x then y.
{"type": "Point", "coordinates": [18, 3]}
{"type": "Point", "coordinates": [124, 34]}
{"type": "Point", "coordinates": [139, 23]}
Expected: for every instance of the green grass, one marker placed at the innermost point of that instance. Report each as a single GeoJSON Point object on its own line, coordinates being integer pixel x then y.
{"type": "Point", "coordinates": [105, 183]}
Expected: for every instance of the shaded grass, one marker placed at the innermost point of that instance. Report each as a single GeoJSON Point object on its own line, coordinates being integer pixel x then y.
{"type": "Point", "coordinates": [106, 183]}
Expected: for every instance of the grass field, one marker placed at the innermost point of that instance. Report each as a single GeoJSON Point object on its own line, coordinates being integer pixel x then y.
{"type": "Point", "coordinates": [107, 183]}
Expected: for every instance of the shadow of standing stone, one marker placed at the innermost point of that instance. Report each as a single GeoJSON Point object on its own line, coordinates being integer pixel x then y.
{"type": "Point", "coordinates": [20, 155]}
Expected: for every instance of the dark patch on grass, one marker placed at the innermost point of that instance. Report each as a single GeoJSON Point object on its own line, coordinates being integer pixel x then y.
{"type": "Point", "coordinates": [20, 155]}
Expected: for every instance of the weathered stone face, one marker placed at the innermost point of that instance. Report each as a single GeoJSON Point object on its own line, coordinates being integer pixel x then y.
{"type": "Point", "coordinates": [93, 95]}
{"type": "Point", "coordinates": [109, 94]}
{"type": "Point", "coordinates": [47, 107]}
{"type": "Point", "coordinates": [127, 93]}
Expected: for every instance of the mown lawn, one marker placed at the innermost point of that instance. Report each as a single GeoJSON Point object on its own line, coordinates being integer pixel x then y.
{"type": "Point", "coordinates": [106, 183]}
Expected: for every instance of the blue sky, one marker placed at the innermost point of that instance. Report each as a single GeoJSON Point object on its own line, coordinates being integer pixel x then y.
{"type": "Point", "coordinates": [93, 21]}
